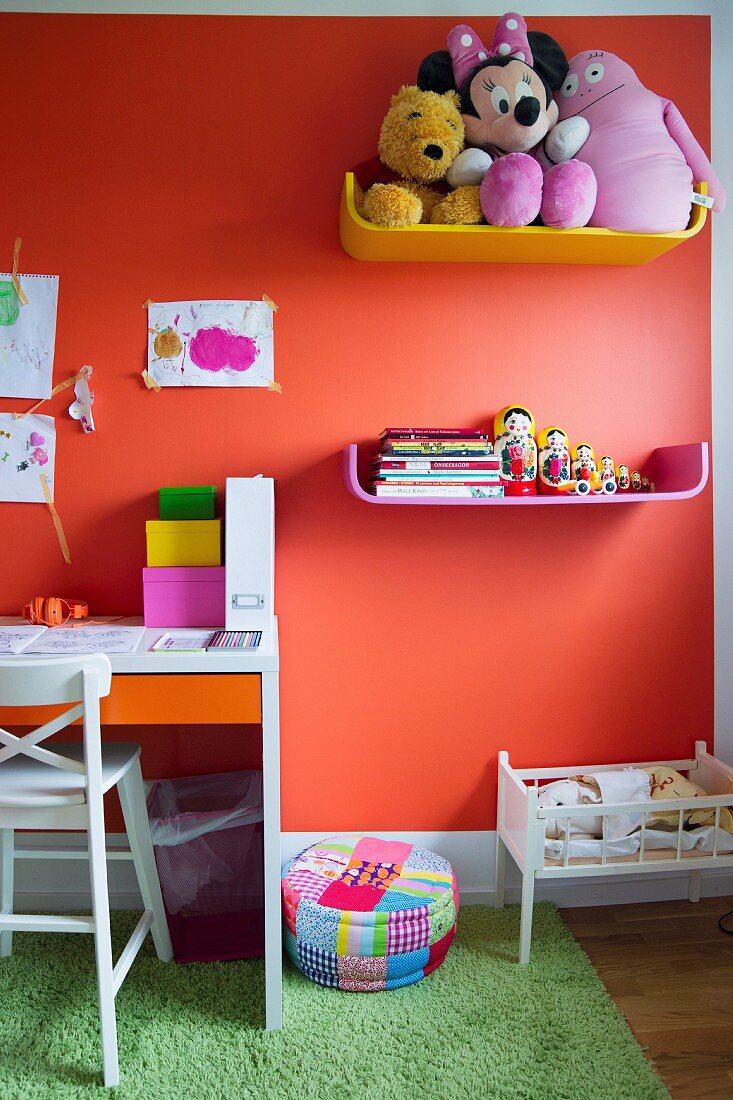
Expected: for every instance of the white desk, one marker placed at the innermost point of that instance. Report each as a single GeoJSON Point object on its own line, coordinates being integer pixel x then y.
{"type": "Point", "coordinates": [239, 699]}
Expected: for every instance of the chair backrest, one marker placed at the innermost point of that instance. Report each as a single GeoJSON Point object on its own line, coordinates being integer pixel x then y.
{"type": "Point", "coordinates": [42, 682]}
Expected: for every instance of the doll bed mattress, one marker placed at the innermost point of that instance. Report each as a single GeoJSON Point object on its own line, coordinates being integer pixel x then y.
{"type": "Point", "coordinates": [658, 844]}
{"type": "Point", "coordinates": [364, 914]}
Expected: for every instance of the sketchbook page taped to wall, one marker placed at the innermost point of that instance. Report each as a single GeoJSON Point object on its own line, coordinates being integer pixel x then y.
{"type": "Point", "coordinates": [27, 449]}
{"type": "Point", "coordinates": [27, 335]}
{"type": "Point", "coordinates": [88, 639]}
{"type": "Point", "coordinates": [210, 344]}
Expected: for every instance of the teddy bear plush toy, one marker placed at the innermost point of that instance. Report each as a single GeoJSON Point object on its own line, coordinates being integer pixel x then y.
{"type": "Point", "coordinates": [639, 146]}
{"type": "Point", "coordinates": [510, 116]}
{"type": "Point", "coordinates": [421, 136]}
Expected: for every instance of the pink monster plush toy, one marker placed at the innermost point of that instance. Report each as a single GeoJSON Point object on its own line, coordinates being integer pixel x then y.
{"type": "Point", "coordinates": [509, 115]}
{"type": "Point", "coordinates": [642, 151]}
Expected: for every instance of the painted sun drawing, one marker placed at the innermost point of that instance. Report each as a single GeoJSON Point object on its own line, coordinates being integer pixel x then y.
{"type": "Point", "coordinates": [210, 344]}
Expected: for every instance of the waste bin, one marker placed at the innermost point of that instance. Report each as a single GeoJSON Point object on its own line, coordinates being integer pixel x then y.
{"type": "Point", "coordinates": [208, 839]}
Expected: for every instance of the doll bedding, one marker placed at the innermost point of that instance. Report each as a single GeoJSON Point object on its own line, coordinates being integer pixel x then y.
{"type": "Point", "coordinates": [623, 830]}
{"type": "Point", "coordinates": [694, 841]}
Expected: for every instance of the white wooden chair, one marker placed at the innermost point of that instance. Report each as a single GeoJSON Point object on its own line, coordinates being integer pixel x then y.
{"type": "Point", "coordinates": [43, 789]}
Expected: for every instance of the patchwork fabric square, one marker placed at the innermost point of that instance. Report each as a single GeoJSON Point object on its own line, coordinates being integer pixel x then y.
{"type": "Point", "coordinates": [340, 896]}
{"type": "Point", "coordinates": [407, 930]}
{"type": "Point", "coordinates": [325, 861]}
{"type": "Point", "coordinates": [291, 945]}
{"type": "Point", "coordinates": [366, 914]}
{"type": "Point", "coordinates": [379, 874]}
{"type": "Point", "coordinates": [438, 951]}
{"type": "Point", "coordinates": [362, 975]}
{"type": "Point", "coordinates": [406, 979]}
{"type": "Point", "coordinates": [290, 907]}
{"type": "Point", "coordinates": [316, 925]}
{"type": "Point", "coordinates": [313, 958]}
{"type": "Point", "coordinates": [443, 919]}
{"type": "Point", "coordinates": [425, 885]}
{"type": "Point", "coordinates": [400, 966]}
{"type": "Point", "coordinates": [394, 900]}
{"type": "Point", "coordinates": [423, 860]}
{"type": "Point", "coordinates": [370, 849]}
{"type": "Point", "coordinates": [307, 884]}
{"type": "Point", "coordinates": [362, 934]}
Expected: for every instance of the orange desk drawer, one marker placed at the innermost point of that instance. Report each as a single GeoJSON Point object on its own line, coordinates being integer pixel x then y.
{"type": "Point", "coordinates": [167, 699]}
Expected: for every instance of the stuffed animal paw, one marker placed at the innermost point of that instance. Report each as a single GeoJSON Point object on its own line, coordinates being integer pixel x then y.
{"type": "Point", "coordinates": [569, 195]}
{"type": "Point", "coordinates": [469, 168]}
{"type": "Point", "coordinates": [391, 206]}
{"type": "Point", "coordinates": [511, 194]}
{"type": "Point", "coordinates": [460, 207]}
{"type": "Point", "coordinates": [566, 139]}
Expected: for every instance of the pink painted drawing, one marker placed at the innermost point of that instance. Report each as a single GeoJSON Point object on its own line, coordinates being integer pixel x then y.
{"type": "Point", "coordinates": [216, 349]}
{"type": "Point", "coordinates": [211, 343]}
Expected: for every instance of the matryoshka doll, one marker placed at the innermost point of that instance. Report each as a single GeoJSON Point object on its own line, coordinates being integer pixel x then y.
{"type": "Point", "coordinates": [607, 469]}
{"type": "Point", "coordinates": [636, 481]}
{"type": "Point", "coordinates": [514, 434]}
{"type": "Point", "coordinates": [583, 464]}
{"type": "Point", "coordinates": [622, 477]}
{"type": "Point", "coordinates": [553, 467]}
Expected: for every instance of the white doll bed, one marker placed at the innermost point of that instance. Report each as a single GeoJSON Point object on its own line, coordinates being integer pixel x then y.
{"type": "Point", "coordinates": [521, 831]}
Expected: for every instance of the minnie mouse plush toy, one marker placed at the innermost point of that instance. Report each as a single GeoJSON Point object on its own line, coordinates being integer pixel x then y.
{"type": "Point", "coordinates": [510, 116]}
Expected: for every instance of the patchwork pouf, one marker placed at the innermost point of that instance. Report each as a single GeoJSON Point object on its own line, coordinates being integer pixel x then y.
{"type": "Point", "coordinates": [365, 914]}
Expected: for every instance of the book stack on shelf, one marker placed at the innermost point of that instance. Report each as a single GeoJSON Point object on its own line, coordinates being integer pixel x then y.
{"type": "Point", "coordinates": [436, 462]}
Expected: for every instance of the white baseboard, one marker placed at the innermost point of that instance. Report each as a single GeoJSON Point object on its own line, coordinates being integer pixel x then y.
{"type": "Point", "coordinates": [473, 854]}
{"type": "Point", "coordinates": [60, 885]}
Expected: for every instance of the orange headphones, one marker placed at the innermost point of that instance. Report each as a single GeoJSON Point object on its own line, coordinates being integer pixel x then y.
{"type": "Point", "coordinates": [52, 611]}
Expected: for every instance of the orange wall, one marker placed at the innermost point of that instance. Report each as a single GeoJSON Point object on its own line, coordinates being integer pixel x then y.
{"type": "Point", "coordinates": [173, 158]}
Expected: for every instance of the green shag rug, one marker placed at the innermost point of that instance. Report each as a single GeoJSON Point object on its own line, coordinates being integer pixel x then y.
{"type": "Point", "coordinates": [479, 1027]}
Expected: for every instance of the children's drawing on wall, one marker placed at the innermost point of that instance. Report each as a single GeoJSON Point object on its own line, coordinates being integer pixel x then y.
{"type": "Point", "coordinates": [210, 343]}
{"type": "Point", "coordinates": [27, 450]}
{"type": "Point", "coordinates": [27, 335]}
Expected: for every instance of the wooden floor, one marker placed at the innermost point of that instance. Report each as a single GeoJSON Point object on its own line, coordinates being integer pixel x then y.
{"type": "Point", "coordinates": [669, 969]}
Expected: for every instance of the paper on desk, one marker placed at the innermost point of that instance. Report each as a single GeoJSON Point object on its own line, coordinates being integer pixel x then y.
{"type": "Point", "coordinates": [88, 639]}
{"type": "Point", "coordinates": [193, 641]}
{"type": "Point", "coordinates": [14, 639]}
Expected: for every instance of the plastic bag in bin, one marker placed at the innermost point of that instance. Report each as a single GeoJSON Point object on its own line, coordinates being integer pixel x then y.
{"type": "Point", "coordinates": [194, 861]}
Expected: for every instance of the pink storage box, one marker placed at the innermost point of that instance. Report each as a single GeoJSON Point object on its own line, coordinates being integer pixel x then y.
{"type": "Point", "coordinates": [183, 595]}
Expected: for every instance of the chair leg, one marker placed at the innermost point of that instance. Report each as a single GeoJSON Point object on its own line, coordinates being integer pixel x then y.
{"type": "Point", "coordinates": [525, 926]}
{"type": "Point", "coordinates": [103, 946]}
{"type": "Point", "coordinates": [134, 811]}
{"type": "Point", "coordinates": [7, 860]}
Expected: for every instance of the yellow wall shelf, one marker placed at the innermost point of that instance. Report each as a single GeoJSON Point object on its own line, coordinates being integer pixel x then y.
{"type": "Point", "coordinates": [494, 244]}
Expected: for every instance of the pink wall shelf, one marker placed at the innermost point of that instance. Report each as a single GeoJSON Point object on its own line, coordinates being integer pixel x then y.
{"type": "Point", "coordinates": [678, 473]}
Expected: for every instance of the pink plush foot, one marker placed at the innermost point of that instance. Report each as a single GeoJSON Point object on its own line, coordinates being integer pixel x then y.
{"type": "Point", "coordinates": [511, 193]}
{"type": "Point", "coordinates": [569, 195]}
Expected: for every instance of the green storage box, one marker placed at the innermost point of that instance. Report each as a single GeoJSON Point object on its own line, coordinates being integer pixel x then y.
{"type": "Point", "coordinates": [188, 502]}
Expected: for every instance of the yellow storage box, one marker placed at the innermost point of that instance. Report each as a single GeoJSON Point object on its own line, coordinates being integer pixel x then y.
{"type": "Point", "coordinates": [184, 541]}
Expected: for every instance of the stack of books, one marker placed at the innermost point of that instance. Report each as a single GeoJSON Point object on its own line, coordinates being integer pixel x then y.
{"type": "Point", "coordinates": [436, 462]}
